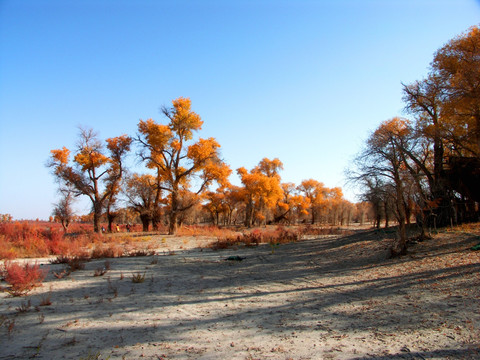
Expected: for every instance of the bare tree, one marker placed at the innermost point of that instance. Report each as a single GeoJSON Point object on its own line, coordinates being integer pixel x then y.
{"type": "Point", "coordinates": [63, 210]}
{"type": "Point", "coordinates": [382, 158]}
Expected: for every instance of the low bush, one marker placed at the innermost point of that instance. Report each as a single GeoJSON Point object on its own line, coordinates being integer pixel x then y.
{"type": "Point", "coordinates": [225, 243]}
{"type": "Point", "coordinates": [76, 263]}
{"type": "Point", "coordinates": [326, 230]}
{"type": "Point", "coordinates": [135, 253]}
{"type": "Point", "coordinates": [22, 278]}
{"type": "Point", "coordinates": [103, 252]}
{"type": "Point", "coordinates": [279, 235]}
{"type": "Point", "coordinates": [205, 230]}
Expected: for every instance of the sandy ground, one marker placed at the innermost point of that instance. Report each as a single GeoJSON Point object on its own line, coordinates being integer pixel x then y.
{"type": "Point", "coordinates": [326, 298]}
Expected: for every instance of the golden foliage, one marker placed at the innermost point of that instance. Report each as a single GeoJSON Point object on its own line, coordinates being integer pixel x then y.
{"type": "Point", "coordinates": [262, 189]}
{"type": "Point", "coordinates": [157, 135]}
{"type": "Point", "coordinates": [119, 145]}
{"type": "Point", "coordinates": [389, 130]}
{"type": "Point", "coordinates": [60, 156]}
{"type": "Point", "coordinates": [166, 149]}
{"type": "Point", "coordinates": [183, 120]}
{"type": "Point", "coordinates": [314, 190]}
{"type": "Point", "coordinates": [202, 150]}
{"type": "Point", "coordinates": [90, 159]}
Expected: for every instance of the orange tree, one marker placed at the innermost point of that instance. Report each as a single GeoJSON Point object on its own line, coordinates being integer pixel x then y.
{"type": "Point", "coordinates": [177, 159]}
{"type": "Point", "coordinates": [292, 206]}
{"type": "Point", "coordinates": [92, 173]}
{"type": "Point", "coordinates": [446, 107]}
{"type": "Point", "coordinates": [315, 192]}
{"type": "Point", "coordinates": [216, 204]}
{"type": "Point", "coordinates": [262, 189]}
{"type": "Point", "coordinates": [457, 65]}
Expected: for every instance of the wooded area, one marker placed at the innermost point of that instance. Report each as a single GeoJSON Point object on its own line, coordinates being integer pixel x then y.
{"type": "Point", "coordinates": [424, 168]}
{"type": "Point", "coordinates": [428, 165]}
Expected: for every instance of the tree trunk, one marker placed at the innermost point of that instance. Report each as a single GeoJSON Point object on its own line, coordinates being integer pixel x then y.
{"type": "Point", "coordinates": [145, 219]}
{"type": "Point", "coordinates": [96, 219]}
{"type": "Point", "coordinates": [399, 248]}
{"type": "Point", "coordinates": [110, 217]}
{"type": "Point", "coordinates": [248, 214]}
{"type": "Point", "coordinates": [65, 224]}
{"type": "Point", "coordinates": [408, 213]}
{"type": "Point", "coordinates": [387, 216]}
{"type": "Point", "coordinates": [172, 226]}
{"type": "Point", "coordinates": [156, 218]}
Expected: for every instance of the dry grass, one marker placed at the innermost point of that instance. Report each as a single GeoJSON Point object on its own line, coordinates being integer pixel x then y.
{"type": "Point", "coordinates": [278, 235]}
{"type": "Point", "coordinates": [205, 230]}
{"type": "Point", "coordinates": [274, 236]}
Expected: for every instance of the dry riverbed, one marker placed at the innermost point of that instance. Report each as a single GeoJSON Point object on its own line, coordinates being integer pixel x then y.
{"type": "Point", "coordinates": [325, 298]}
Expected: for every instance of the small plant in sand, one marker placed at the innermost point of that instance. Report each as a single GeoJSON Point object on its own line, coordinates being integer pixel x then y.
{"type": "Point", "coordinates": [61, 274]}
{"type": "Point", "coordinates": [273, 246]}
{"type": "Point", "coordinates": [94, 356]}
{"type": "Point", "coordinates": [112, 288]}
{"type": "Point", "coordinates": [46, 300]}
{"type": "Point", "coordinates": [41, 318]}
{"type": "Point", "coordinates": [76, 263]}
{"type": "Point", "coordinates": [10, 325]}
{"type": "Point", "coordinates": [24, 307]}
{"type": "Point", "coordinates": [102, 270]}
{"type": "Point", "coordinates": [138, 278]}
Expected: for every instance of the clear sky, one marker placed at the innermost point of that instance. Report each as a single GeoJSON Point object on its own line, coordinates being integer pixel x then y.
{"type": "Point", "coordinates": [301, 80]}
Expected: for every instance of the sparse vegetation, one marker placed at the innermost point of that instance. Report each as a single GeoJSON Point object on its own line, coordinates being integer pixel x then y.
{"type": "Point", "coordinates": [24, 307]}
{"type": "Point", "coordinates": [46, 300]}
{"type": "Point", "coordinates": [138, 278]}
{"type": "Point", "coordinates": [94, 356]}
{"type": "Point", "coordinates": [278, 235]}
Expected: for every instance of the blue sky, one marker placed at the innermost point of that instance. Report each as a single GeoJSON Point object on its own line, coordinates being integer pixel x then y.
{"type": "Point", "coordinates": [304, 81]}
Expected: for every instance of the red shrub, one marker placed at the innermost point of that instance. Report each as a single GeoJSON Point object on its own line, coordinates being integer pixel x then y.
{"type": "Point", "coordinates": [23, 278]}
